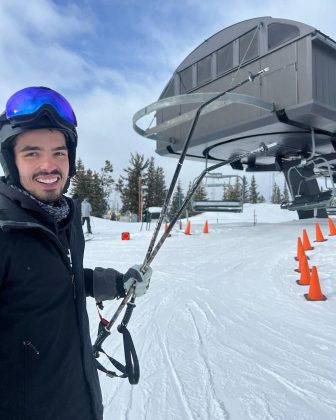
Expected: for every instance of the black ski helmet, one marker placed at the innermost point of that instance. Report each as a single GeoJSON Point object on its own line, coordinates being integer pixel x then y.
{"type": "Point", "coordinates": [30, 109]}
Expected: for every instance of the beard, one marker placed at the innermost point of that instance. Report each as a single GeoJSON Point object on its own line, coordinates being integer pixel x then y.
{"type": "Point", "coordinates": [42, 191]}
{"type": "Point", "coordinates": [48, 197]}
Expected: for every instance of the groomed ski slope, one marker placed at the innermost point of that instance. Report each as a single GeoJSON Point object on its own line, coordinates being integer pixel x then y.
{"type": "Point", "coordinates": [224, 331]}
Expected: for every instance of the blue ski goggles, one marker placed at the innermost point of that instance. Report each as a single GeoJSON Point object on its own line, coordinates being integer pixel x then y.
{"type": "Point", "coordinates": [26, 103]}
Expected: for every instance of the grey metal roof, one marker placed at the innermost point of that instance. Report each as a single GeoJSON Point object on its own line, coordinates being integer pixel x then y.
{"type": "Point", "coordinates": [229, 34]}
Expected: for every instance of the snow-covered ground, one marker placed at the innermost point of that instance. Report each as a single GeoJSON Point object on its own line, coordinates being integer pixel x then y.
{"type": "Point", "coordinates": [224, 331]}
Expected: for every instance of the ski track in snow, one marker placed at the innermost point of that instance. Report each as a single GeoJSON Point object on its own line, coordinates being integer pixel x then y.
{"type": "Point", "coordinates": [224, 331]}
{"type": "Point", "coordinates": [180, 387]}
{"type": "Point", "coordinates": [215, 407]}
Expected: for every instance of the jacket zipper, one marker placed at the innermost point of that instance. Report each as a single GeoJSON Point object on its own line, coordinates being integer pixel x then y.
{"type": "Point", "coordinates": [27, 344]}
{"type": "Point", "coordinates": [72, 275]}
{"type": "Point", "coordinates": [73, 285]}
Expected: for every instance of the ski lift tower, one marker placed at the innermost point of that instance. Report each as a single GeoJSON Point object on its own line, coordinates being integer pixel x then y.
{"type": "Point", "coordinates": [292, 104]}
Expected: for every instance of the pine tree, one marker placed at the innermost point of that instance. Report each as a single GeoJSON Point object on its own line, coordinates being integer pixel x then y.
{"type": "Point", "coordinates": [160, 187]}
{"type": "Point", "coordinates": [199, 195]}
{"type": "Point", "coordinates": [278, 195]}
{"type": "Point", "coordinates": [238, 189]}
{"type": "Point", "coordinates": [149, 181]}
{"type": "Point", "coordinates": [274, 191]}
{"type": "Point", "coordinates": [106, 179]}
{"type": "Point", "coordinates": [228, 192]}
{"type": "Point", "coordinates": [245, 189]}
{"type": "Point", "coordinates": [253, 193]}
{"type": "Point", "coordinates": [225, 192]}
{"type": "Point", "coordinates": [94, 186]}
{"type": "Point", "coordinates": [285, 194]}
{"type": "Point", "coordinates": [178, 198]}
{"type": "Point", "coordinates": [128, 185]}
{"type": "Point", "coordinates": [231, 193]}
{"type": "Point", "coordinates": [156, 189]}
{"type": "Point", "coordinates": [261, 198]}
{"type": "Point", "coordinates": [234, 192]}
{"type": "Point", "coordinates": [79, 181]}
{"type": "Point", "coordinates": [89, 184]}
{"type": "Point", "coordinates": [97, 196]}
{"type": "Point", "coordinates": [190, 210]}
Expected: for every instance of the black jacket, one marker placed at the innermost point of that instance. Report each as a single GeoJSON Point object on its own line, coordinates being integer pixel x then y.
{"type": "Point", "coordinates": [47, 370]}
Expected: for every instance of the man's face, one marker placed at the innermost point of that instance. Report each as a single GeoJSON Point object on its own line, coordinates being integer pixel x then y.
{"type": "Point", "coordinates": [41, 157]}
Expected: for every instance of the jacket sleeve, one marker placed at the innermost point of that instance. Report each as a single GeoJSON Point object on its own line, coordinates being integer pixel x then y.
{"type": "Point", "coordinates": [104, 283]}
{"type": "Point", "coordinates": [5, 252]}
{"type": "Point", "coordinates": [2, 268]}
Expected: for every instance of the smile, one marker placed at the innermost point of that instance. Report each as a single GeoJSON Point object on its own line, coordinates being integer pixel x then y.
{"type": "Point", "coordinates": [48, 180]}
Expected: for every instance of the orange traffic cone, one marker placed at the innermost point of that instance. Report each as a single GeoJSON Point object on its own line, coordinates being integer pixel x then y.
{"type": "Point", "coordinates": [306, 242]}
{"type": "Point", "coordinates": [319, 234]}
{"type": "Point", "coordinates": [332, 227]}
{"type": "Point", "coordinates": [187, 229]}
{"type": "Point", "coordinates": [299, 250]}
{"type": "Point", "coordinates": [206, 227]}
{"type": "Point", "coordinates": [166, 228]}
{"type": "Point", "coordinates": [314, 292]}
{"type": "Point", "coordinates": [304, 279]}
{"type": "Point", "coordinates": [302, 256]}
{"type": "Point", "coordinates": [298, 270]}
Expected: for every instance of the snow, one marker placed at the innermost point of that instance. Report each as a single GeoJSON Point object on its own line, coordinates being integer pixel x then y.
{"type": "Point", "coordinates": [224, 331]}
{"type": "Point", "coordinates": [154, 209]}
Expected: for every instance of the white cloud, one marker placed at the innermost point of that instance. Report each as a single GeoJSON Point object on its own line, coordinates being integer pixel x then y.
{"type": "Point", "coordinates": [45, 19]}
{"type": "Point", "coordinates": [33, 49]}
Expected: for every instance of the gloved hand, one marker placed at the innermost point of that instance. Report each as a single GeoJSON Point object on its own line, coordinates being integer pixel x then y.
{"type": "Point", "coordinates": [134, 274]}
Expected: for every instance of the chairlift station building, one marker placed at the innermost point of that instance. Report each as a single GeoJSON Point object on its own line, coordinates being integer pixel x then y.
{"type": "Point", "coordinates": [292, 104]}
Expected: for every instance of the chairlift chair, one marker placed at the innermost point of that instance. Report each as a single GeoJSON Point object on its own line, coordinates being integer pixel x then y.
{"type": "Point", "coordinates": [318, 166]}
{"type": "Point", "coordinates": [217, 186]}
{"type": "Point", "coordinates": [331, 206]}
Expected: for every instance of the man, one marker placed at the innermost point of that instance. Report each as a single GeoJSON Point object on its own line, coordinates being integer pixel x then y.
{"type": "Point", "coordinates": [86, 213]}
{"type": "Point", "coordinates": [47, 370]}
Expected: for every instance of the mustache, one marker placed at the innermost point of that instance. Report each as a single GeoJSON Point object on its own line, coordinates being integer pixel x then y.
{"type": "Point", "coordinates": [44, 173]}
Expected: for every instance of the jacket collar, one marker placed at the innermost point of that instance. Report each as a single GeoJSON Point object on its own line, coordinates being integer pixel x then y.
{"type": "Point", "coordinates": [18, 207]}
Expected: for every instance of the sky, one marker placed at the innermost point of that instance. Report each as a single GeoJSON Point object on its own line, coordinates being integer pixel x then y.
{"type": "Point", "coordinates": [224, 331]}
{"type": "Point", "coordinates": [111, 58]}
